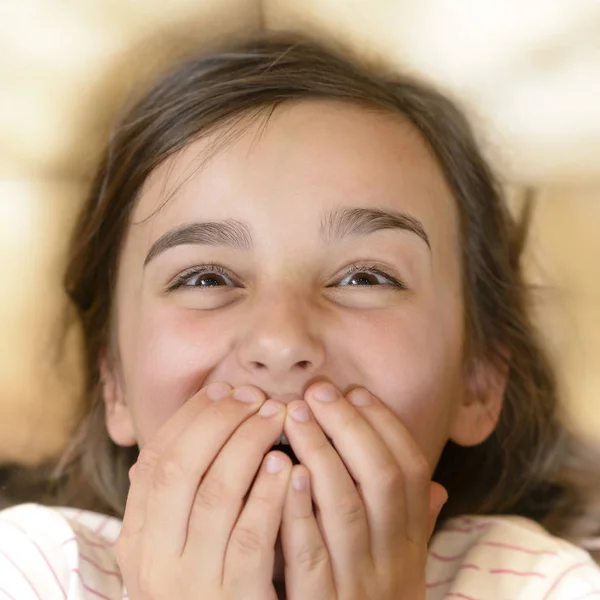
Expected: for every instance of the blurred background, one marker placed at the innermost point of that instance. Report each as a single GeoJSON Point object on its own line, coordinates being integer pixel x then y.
{"type": "Point", "coordinates": [528, 74]}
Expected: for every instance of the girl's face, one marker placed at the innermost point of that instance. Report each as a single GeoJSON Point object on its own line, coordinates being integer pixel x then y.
{"type": "Point", "coordinates": [265, 295]}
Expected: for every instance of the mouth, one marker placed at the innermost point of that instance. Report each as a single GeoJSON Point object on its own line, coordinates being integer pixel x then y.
{"type": "Point", "coordinates": [283, 445]}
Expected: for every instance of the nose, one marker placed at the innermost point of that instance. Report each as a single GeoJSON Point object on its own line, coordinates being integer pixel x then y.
{"type": "Point", "coordinates": [279, 350]}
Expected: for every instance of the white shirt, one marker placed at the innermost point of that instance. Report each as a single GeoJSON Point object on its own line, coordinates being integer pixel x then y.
{"type": "Point", "coordinates": [68, 554]}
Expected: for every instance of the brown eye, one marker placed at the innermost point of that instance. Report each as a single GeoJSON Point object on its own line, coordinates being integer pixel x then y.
{"type": "Point", "coordinates": [369, 277]}
{"type": "Point", "coordinates": [205, 280]}
{"type": "Point", "coordinates": [362, 279]}
{"type": "Point", "coordinates": [204, 276]}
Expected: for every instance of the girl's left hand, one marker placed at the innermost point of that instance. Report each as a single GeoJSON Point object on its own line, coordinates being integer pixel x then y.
{"type": "Point", "coordinates": [369, 538]}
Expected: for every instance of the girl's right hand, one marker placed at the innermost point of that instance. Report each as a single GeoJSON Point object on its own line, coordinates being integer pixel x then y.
{"type": "Point", "coordinates": [187, 532]}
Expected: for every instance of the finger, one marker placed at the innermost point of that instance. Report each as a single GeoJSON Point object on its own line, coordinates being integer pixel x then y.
{"type": "Point", "coordinates": [220, 496]}
{"type": "Point", "coordinates": [141, 480]}
{"type": "Point", "coordinates": [179, 470]}
{"type": "Point", "coordinates": [251, 548]}
{"type": "Point", "coordinates": [387, 483]}
{"type": "Point", "coordinates": [308, 569]}
{"type": "Point", "coordinates": [407, 453]}
{"type": "Point", "coordinates": [343, 517]}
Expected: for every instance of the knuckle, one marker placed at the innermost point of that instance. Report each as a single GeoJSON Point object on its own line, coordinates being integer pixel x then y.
{"type": "Point", "coordinates": [148, 457]}
{"type": "Point", "coordinates": [312, 558]}
{"type": "Point", "coordinates": [217, 411]}
{"type": "Point", "coordinates": [213, 493]}
{"type": "Point", "coordinates": [351, 509]}
{"type": "Point", "coordinates": [267, 503]}
{"type": "Point", "coordinates": [353, 421]}
{"type": "Point", "coordinates": [418, 471]}
{"type": "Point", "coordinates": [320, 446]}
{"type": "Point", "coordinates": [168, 472]}
{"type": "Point", "coordinates": [246, 541]}
{"type": "Point", "coordinates": [391, 478]}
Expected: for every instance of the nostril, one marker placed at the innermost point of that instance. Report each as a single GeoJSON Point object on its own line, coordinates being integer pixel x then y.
{"type": "Point", "coordinates": [302, 364]}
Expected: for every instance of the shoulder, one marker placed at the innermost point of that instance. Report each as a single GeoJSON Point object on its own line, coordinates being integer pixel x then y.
{"type": "Point", "coordinates": [58, 553]}
{"type": "Point", "coordinates": [507, 556]}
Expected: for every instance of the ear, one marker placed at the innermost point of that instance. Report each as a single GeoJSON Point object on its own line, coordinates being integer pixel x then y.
{"type": "Point", "coordinates": [477, 415]}
{"type": "Point", "coordinates": [119, 422]}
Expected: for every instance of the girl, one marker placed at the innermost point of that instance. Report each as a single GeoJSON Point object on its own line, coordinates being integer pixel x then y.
{"type": "Point", "coordinates": [306, 331]}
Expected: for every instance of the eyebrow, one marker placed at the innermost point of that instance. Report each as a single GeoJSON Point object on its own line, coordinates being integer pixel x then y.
{"type": "Point", "coordinates": [228, 232]}
{"type": "Point", "coordinates": [343, 223]}
{"type": "Point", "coordinates": [336, 226]}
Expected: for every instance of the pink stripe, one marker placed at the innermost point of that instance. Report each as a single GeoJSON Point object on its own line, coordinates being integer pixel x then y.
{"type": "Point", "coordinates": [438, 583]}
{"type": "Point", "coordinates": [562, 576]}
{"type": "Point", "coordinates": [518, 573]}
{"type": "Point", "coordinates": [95, 564]}
{"type": "Point", "coordinates": [446, 558]}
{"type": "Point", "coordinates": [459, 595]}
{"type": "Point", "coordinates": [470, 566]}
{"type": "Point", "coordinates": [43, 555]}
{"type": "Point", "coordinates": [73, 539]}
{"type": "Point", "coordinates": [86, 541]}
{"type": "Point", "coordinates": [89, 589]}
{"type": "Point", "coordinates": [470, 529]}
{"type": "Point", "coordinates": [16, 566]}
{"type": "Point", "coordinates": [102, 525]}
{"type": "Point", "coordinates": [517, 548]}
{"type": "Point", "coordinates": [89, 542]}
{"type": "Point", "coordinates": [7, 594]}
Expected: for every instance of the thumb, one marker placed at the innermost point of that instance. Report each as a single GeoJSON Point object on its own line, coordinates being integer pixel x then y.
{"type": "Point", "coordinates": [438, 496]}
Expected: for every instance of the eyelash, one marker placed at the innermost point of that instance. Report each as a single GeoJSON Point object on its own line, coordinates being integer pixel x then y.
{"type": "Point", "coordinates": [181, 279]}
{"type": "Point", "coordinates": [373, 269]}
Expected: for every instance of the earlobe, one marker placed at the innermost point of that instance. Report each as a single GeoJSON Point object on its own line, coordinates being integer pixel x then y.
{"type": "Point", "coordinates": [477, 415]}
{"type": "Point", "coordinates": [119, 422]}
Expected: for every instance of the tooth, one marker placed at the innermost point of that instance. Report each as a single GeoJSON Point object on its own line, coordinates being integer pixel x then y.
{"type": "Point", "coordinates": [282, 439]}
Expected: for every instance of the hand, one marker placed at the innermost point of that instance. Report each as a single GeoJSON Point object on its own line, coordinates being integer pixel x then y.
{"type": "Point", "coordinates": [187, 531]}
{"type": "Point", "coordinates": [376, 506]}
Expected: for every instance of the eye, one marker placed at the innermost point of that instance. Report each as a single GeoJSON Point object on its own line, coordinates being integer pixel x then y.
{"type": "Point", "coordinates": [203, 276]}
{"type": "Point", "coordinates": [369, 276]}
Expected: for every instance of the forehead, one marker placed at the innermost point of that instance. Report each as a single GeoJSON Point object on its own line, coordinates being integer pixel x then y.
{"type": "Point", "coordinates": [307, 159]}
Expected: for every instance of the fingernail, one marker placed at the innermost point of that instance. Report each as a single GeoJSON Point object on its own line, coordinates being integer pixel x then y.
{"type": "Point", "coordinates": [273, 464]}
{"type": "Point", "coordinates": [360, 397]}
{"type": "Point", "coordinates": [269, 408]}
{"type": "Point", "coordinates": [300, 482]}
{"type": "Point", "coordinates": [249, 395]}
{"type": "Point", "coordinates": [218, 390]}
{"type": "Point", "coordinates": [326, 393]}
{"type": "Point", "coordinates": [300, 413]}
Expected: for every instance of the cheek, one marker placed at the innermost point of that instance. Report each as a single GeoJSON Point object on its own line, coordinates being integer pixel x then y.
{"type": "Point", "coordinates": [413, 365]}
{"type": "Point", "coordinates": [175, 353]}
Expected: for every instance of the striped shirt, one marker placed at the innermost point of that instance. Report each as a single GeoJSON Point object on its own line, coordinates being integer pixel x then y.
{"type": "Point", "coordinates": [67, 554]}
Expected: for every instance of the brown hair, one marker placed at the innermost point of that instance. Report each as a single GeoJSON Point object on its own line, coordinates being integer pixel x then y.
{"type": "Point", "coordinates": [531, 465]}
